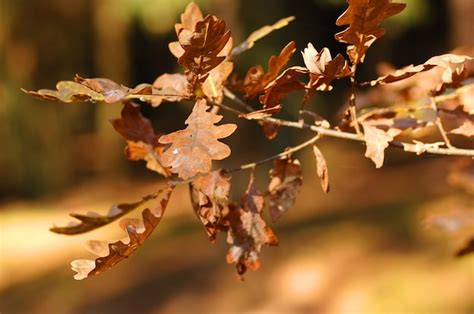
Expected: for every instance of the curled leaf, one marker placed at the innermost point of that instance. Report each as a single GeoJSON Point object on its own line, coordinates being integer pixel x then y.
{"type": "Point", "coordinates": [142, 141]}
{"type": "Point", "coordinates": [91, 220]}
{"type": "Point", "coordinates": [113, 253]}
{"type": "Point", "coordinates": [248, 232]}
{"type": "Point", "coordinates": [67, 91]}
{"type": "Point", "coordinates": [286, 179]}
{"type": "Point", "coordinates": [259, 34]}
{"type": "Point", "coordinates": [193, 149]}
{"type": "Point", "coordinates": [210, 198]}
{"type": "Point", "coordinates": [321, 169]}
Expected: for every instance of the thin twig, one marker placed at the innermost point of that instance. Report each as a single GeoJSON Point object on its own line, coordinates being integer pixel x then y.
{"type": "Point", "coordinates": [439, 124]}
{"type": "Point", "coordinates": [237, 100]}
{"type": "Point", "coordinates": [352, 100]}
{"type": "Point", "coordinates": [450, 151]}
{"type": "Point", "coordinates": [277, 156]}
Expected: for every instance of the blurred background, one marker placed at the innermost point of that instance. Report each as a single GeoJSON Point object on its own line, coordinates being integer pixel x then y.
{"type": "Point", "coordinates": [363, 248]}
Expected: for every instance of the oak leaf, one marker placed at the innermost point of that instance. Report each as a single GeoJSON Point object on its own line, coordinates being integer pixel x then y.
{"type": "Point", "coordinates": [112, 253]}
{"type": "Point", "coordinates": [248, 232]}
{"type": "Point", "coordinates": [210, 198]}
{"type": "Point", "coordinates": [175, 86]}
{"type": "Point", "coordinates": [364, 18]}
{"type": "Point", "coordinates": [286, 179]}
{"type": "Point", "coordinates": [142, 141]}
{"type": "Point", "coordinates": [193, 149]}
{"type": "Point", "coordinates": [67, 91]}
{"type": "Point", "coordinates": [256, 79]}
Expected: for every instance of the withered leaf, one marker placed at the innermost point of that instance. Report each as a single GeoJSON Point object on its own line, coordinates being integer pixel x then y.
{"type": "Point", "coordinates": [321, 169]}
{"type": "Point", "coordinates": [213, 86]}
{"type": "Point", "coordinates": [92, 220]}
{"type": "Point", "coordinates": [112, 253]}
{"type": "Point", "coordinates": [376, 141]}
{"type": "Point", "coordinates": [248, 232]}
{"type": "Point", "coordinates": [364, 18]}
{"type": "Point", "coordinates": [260, 114]}
{"type": "Point", "coordinates": [142, 142]}
{"type": "Point", "coordinates": [281, 86]}
{"type": "Point", "coordinates": [202, 48]}
{"type": "Point", "coordinates": [256, 79]}
{"type": "Point", "coordinates": [286, 179]}
{"type": "Point", "coordinates": [445, 61]}
{"type": "Point", "coordinates": [210, 198]}
{"type": "Point", "coordinates": [259, 34]}
{"type": "Point", "coordinates": [170, 84]}
{"type": "Point", "coordinates": [193, 149]}
{"type": "Point", "coordinates": [323, 68]}
{"type": "Point", "coordinates": [67, 91]}
{"type": "Point", "coordinates": [111, 91]}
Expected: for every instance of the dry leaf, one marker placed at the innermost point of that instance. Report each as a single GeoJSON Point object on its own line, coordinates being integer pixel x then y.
{"type": "Point", "coordinates": [446, 61]}
{"type": "Point", "coordinates": [67, 91]}
{"type": "Point", "coordinates": [142, 142]}
{"type": "Point", "coordinates": [364, 18]}
{"type": "Point", "coordinates": [376, 141]}
{"type": "Point", "coordinates": [248, 232]}
{"type": "Point", "coordinates": [259, 34]}
{"type": "Point", "coordinates": [286, 179]}
{"type": "Point", "coordinates": [112, 253]}
{"type": "Point", "coordinates": [322, 169]}
{"type": "Point", "coordinates": [260, 114]}
{"type": "Point", "coordinates": [210, 198]}
{"type": "Point", "coordinates": [174, 85]}
{"type": "Point", "coordinates": [193, 149]}
{"type": "Point", "coordinates": [256, 79]}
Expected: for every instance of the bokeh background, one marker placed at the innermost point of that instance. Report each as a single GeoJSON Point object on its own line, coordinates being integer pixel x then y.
{"type": "Point", "coordinates": [363, 248]}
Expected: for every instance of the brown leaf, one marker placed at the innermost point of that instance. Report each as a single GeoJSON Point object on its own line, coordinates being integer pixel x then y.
{"type": "Point", "coordinates": [256, 79]}
{"type": "Point", "coordinates": [248, 232]}
{"type": "Point", "coordinates": [67, 91]}
{"type": "Point", "coordinates": [210, 198]}
{"type": "Point", "coordinates": [322, 169]}
{"type": "Point", "coordinates": [193, 149]}
{"type": "Point", "coordinates": [202, 47]}
{"type": "Point", "coordinates": [111, 254]}
{"type": "Point", "coordinates": [445, 61]}
{"type": "Point", "coordinates": [286, 179]}
{"type": "Point", "coordinates": [142, 143]}
{"type": "Point", "coordinates": [92, 220]}
{"type": "Point", "coordinates": [281, 86]}
{"type": "Point", "coordinates": [376, 141]}
{"type": "Point", "coordinates": [111, 91]}
{"type": "Point", "coordinates": [259, 34]}
{"type": "Point", "coordinates": [323, 69]}
{"type": "Point", "coordinates": [173, 85]}
{"type": "Point", "coordinates": [364, 18]}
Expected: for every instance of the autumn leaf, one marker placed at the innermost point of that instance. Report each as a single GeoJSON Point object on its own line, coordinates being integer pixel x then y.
{"type": "Point", "coordinates": [142, 142]}
{"type": "Point", "coordinates": [376, 141]}
{"type": "Point", "coordinates": [323, 68]}
{"type": "Point", "coordinates": [256, 79]}
{"type": "Point", "coordinates": [193, 149]}
{"type": "Point", "coordinates": [286, 179]}
{"type": "Point", "coordinates": [466, 129]}
{"type": "Point", "coordinates": [364, 18]}
{"type": "Point", "coordinates": [173, 85]}
{"type": "Point", "coordinates": [67, 91]}
{"type": "Point", "coordinates": [259, 34]}
{"type": "Point", "coordinates": [321, 169]}
{"type": "Point", "coordinates": [210, 198]}
{"type": "Point", "coordinates": [112, 253]}
{"type": "Point", "coordinates": [92, 220]}
{"type": "Point", "coordinates": [202, 48]}
{"type": "Point", "coordinates": [445, 61]}
{"type": "Point", "coordinates": [213, 86]}
{"type": "Point", "coordinates": [248, 232]}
